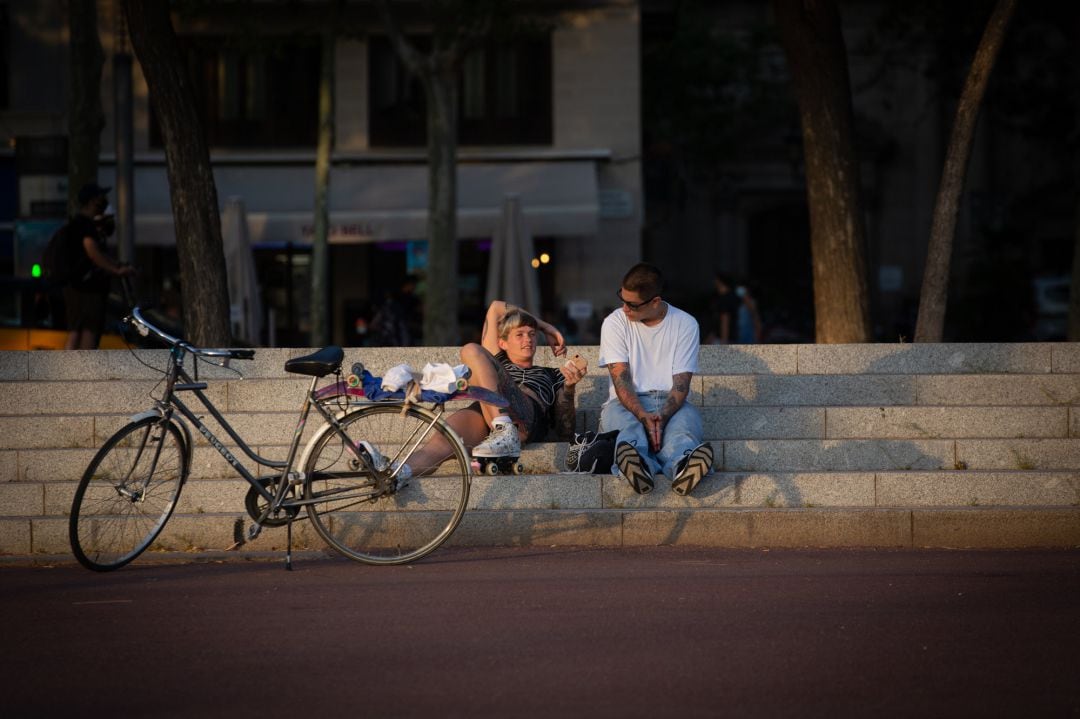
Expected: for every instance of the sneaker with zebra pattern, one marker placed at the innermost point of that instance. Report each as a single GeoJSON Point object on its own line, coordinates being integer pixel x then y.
{"type": "Point", "coordinates": [633, 468]}
{"type": "Point", "coordinates": [692, 469]}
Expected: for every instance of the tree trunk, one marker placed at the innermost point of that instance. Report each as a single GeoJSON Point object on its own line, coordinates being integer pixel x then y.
{"type": "Point", "coordinates": [320, 262]}
{"type": "Point", "coordinates": [816, 55]}
{"type": "Point", "coordinates": [191, 182]}
{"type": "Point", "coordinates": [930, 325]}
{"type": "Point", "coordinates": [86, 119]}
{"type": "Point", "coordinates": [441, 299]}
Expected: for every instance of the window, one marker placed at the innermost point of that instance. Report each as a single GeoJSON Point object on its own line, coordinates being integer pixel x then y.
{"type": "Point", "coordinates": [254, 96]}
{"type": "Point", "coordinates": [504, 95]}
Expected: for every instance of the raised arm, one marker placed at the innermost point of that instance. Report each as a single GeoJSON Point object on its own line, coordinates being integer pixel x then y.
{"type": "Point", "coordinates": [499, 309]}
{"type": "Point", "coordinates": [489, 338]}
{"type": "Point", "coordinates": [554, 337]}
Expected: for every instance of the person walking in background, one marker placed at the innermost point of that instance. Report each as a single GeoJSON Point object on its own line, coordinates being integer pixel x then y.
{"type": "Point", "coordinates": [723, 312]}
{"type": "Point", "coordinates": [91, 271]}
{"type": "Point", "coordinates": [748, 324]}
{"type": "Point", "coordinates": [650, 349]}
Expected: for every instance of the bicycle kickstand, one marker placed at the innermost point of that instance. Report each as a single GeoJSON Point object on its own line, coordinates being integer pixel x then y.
{"type": "Point", "coordinates": [288, 544]}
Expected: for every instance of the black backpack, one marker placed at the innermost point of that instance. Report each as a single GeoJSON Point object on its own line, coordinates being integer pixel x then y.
{"type": "Point", "coordinates": [592, 453]}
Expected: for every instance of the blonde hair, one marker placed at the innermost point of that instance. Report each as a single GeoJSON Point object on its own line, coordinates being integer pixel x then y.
{"type": "Point", "coordinates": [513, 319]}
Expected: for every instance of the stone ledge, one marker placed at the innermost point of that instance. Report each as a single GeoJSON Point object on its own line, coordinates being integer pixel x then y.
{"type": "Point", "coordinates": [996, 528]}
{"type": "Point", "coordinates": [755, 490]}
{"type": "Point", "coordinates": [930, 528]}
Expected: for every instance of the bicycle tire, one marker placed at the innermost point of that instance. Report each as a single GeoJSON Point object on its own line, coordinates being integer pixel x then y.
{"type": "Point", "coordinates": [127, 493]}
{"type": "Point", "coordinates": [395, 527]}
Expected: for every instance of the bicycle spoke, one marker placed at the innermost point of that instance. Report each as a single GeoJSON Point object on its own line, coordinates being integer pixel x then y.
{"type": "Point", "coordinates": [127, 494]}
{"type": "Point", "coordinates": [406, 519]}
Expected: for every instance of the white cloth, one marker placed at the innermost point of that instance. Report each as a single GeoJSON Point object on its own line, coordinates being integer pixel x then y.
{"type": "Point", "coordinates": [441, 377]}
{"type": "Point", "coordinates": [437, 376]}
{"type": "Point", "coordinates": [398, 377]}
{"type": "Point", "coordinates": [655, 354]}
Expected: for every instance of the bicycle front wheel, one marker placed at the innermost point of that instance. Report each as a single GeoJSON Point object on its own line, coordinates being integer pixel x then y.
{"type": "Point", "coordinates": [379, 520]}
{"type": "Point", "coordinates": [127, 493]}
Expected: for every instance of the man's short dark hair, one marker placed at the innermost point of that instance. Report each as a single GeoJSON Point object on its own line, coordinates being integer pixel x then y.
{"type": "Point", "coordinates": [645, 279]}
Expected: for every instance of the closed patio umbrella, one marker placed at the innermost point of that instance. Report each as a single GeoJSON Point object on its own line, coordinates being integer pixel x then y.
{"type": "Point", "coordinates": [511, 277]}
{"type": "Point", "coordinates": [245, 301]}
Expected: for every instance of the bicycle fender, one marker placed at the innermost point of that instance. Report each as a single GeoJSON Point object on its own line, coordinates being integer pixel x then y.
{"type": "Point", "coordinates": [148, 414]}
{"type": "Point", "coordinates": [302, 462]}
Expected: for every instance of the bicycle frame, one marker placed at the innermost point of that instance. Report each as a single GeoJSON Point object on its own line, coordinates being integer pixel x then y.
{"type": "Point", "coordinates": [360, 454]}
{"type": "Point", "coordinates": [275, 500]}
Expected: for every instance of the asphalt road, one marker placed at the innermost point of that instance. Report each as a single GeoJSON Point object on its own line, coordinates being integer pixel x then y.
{"type": "Point", "coordinates": [551, 633]}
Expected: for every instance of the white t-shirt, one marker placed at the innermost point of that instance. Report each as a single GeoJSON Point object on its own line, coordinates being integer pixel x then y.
{"type": "Point", "coordinates": [654, 353]}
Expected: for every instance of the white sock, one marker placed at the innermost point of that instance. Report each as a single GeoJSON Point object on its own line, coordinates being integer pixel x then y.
{"type": "Point", "coordinates": [501, 419]}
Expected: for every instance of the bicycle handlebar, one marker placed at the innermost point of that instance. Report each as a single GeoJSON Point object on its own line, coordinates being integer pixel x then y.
{"type": "Point", "coordinates": [145, 328]}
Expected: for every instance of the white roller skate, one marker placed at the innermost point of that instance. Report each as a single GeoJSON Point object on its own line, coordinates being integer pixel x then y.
{"type": "Point", "coordinates": [499, 453]}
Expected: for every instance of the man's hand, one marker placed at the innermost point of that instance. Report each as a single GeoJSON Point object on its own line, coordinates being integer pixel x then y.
{"type": "Point", "coordinates": [654, 430]}
{"type": "Point", "coordinates": [573, 370]}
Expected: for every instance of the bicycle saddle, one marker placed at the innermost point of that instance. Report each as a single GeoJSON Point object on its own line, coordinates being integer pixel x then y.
{"type": "Point", "coordinates": [317, 364]}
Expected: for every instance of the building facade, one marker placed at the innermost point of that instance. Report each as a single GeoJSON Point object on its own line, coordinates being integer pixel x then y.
{"type": "Point", "coordinates": [552, 118]}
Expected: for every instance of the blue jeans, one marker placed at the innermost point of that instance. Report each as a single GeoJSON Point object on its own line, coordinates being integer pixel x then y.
{"type": "Point", "coordinates": [682, 434]}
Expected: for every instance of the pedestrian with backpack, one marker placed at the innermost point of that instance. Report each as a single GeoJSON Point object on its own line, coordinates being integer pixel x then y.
{"type": "Point", "coordinates": [84, 269]}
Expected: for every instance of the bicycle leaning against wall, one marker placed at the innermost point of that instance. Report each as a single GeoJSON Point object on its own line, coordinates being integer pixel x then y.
{"type": "Point", "coordinates": [346, 478]}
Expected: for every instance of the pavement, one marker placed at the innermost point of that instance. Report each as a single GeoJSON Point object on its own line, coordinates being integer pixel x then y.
{"type": "Point", "coordinates": [534, 632]}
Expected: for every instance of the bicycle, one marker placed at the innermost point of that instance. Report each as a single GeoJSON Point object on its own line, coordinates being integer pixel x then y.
{"type": "Point", "coordinates": [348, 478]}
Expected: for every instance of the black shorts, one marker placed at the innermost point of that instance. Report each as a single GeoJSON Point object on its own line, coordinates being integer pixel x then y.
{"type": "Point", "coordinates": [526, 412]}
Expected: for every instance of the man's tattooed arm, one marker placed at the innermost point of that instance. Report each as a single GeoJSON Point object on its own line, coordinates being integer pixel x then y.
{"type": "Point", "coordinates": [623, 382]}
{"type": "Point", "coordinates": [680, 389]}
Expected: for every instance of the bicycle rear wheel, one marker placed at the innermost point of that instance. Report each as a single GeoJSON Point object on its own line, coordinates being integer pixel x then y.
{"type": "Point", "coordinates": [127, 494]}
{"type": "Point", "coordinates": [385, 524]}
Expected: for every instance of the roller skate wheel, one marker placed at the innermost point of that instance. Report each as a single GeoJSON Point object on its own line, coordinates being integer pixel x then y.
{"type": "Point", "coordinates": [518, 468]}
{"type": "Point", "coordinates": [491, 468]}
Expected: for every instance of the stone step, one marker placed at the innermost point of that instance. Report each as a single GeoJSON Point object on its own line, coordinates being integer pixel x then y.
{"type": "Point", "coordinates": [585, 492]}
{"type": "Point", "coordinates": [878, 359]}
{"type": "Point", "coordinates": [805, 457]}
{"type": "Point", "coordinates": [910, 424]}
{"type": "Point", "coordinates": [864, 455]}
{"type": "Point", "coordinates": [231, 394]}
{"type": "Point", "coordinates": [974, 527]}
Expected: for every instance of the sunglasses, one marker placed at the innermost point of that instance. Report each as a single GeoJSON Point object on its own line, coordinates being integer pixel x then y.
{"type": "Point", "coordinates": [634, 305]}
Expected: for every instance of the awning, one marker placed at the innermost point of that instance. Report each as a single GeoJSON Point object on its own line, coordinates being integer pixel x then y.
{"type": "Point", "coordinates": [375, 202]}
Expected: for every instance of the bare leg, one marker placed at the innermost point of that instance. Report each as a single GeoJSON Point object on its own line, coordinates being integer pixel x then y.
{"type": "Point", "coordinates": [472, 427]}
{"type": "Point", "coordinates": [72, 342]}
{"type": "Point", "coordinates": [468, 424]}
{"type": "Point", "coordinates": [484, 374]}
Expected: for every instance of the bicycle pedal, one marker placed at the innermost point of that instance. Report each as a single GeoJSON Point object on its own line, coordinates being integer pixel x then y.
{"type": "Point", "coordinates": [253, 532]}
